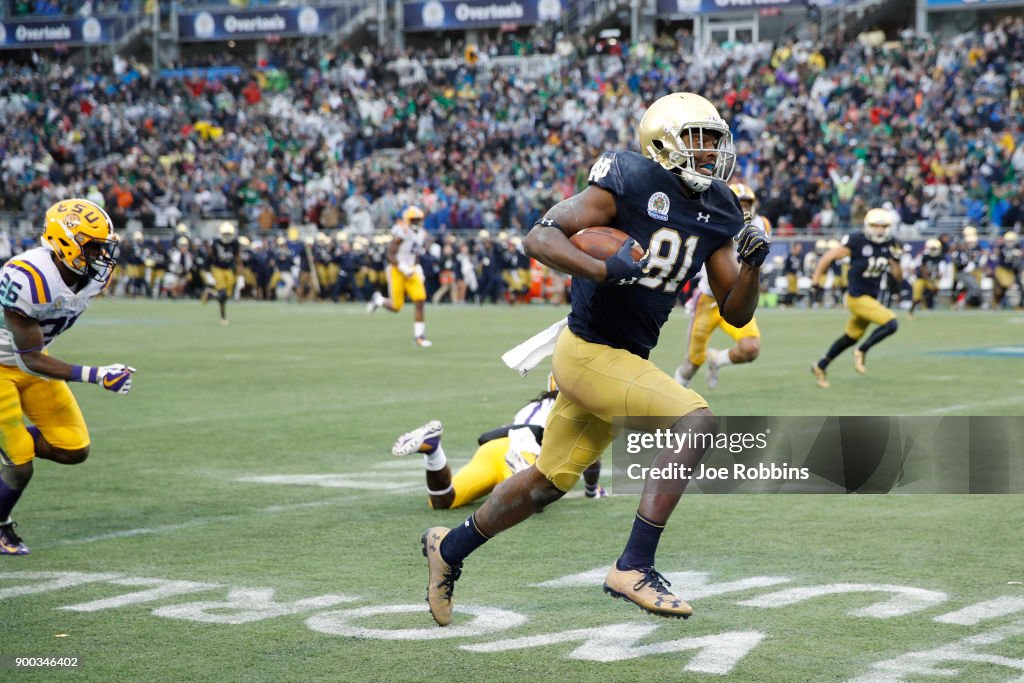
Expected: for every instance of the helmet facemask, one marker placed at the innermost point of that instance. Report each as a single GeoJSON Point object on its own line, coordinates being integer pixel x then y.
{"type": "Point", "coordinates": [677, 151]}
{"type": "Point", "coordinates": [99, 256]}
{"type": "Point", "coordinates": [878, 225]}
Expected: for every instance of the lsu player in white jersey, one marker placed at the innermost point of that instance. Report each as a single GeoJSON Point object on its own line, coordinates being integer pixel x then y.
{"type": "Point", "coordinates": [43, 292]}
{"type": "Point", "coordinates": [501, 453]}
{"type": "Point", "coordinates": [405, 276]}
{"type": "Point", "coordinates": [706, 317]}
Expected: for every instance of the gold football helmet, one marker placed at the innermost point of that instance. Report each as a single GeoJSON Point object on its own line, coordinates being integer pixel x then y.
{"type": "Point", "coordinates": [413, 216]}
{"type": "Point", "coordinates": [226, 231]}
{"type": "Point", "coordinates": [743, 192]}
{"type": "Point", "coordinates": [1010, 238]}
{"type": "Point", "coordinates": [933, 247]}
{"type": "Point", "coordinates": [81, 235]}
{"type": "Point", "coordinates": [878, 225]}
{"type": "Point", "coordinates": [970, 236]}
{"type": "Point", "coordinates": [679, 127]}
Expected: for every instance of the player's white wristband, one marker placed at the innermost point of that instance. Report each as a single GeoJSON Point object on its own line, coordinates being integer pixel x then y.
{"type": "Point", "coordinates": [84, 373]}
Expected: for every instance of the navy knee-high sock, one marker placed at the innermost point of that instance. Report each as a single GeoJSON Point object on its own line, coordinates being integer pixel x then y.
{"type": "Point", "coordinates": [838, 346]}
{"type": "Point", "coordinates": [461, 541]}
{"type": "Point", "coordinates": [641, 546]}
{"type": "Point", "coordinates": [879, 334]}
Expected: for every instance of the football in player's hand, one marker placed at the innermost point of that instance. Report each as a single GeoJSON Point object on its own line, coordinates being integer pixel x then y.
{"type": "Point", "coordinates": [602, 243]}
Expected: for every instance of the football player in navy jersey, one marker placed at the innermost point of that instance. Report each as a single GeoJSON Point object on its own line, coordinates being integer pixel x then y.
{"type": "Point", "coordinates": [872, 254]}
{"type": "Point", "coordinates": [672, 200]}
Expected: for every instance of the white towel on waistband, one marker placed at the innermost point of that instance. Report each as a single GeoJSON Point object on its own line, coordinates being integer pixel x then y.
{"type": "Point", "coordinates": [527, 355]}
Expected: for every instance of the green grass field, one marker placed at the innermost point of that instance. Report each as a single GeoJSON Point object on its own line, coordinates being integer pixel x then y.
{"type": "Point", "coordinates": [181, 552]}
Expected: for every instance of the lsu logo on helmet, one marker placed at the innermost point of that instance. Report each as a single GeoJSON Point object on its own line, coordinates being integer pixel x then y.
{"type": "Point", "coordinates": [81, 235]}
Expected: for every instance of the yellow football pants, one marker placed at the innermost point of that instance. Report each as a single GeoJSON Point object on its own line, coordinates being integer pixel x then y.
{"type": "Point", "coordinates": [598, 383]}
{"type": "Point", "coordinates": [485, 470]}
{"type": "Point", "coordinates": [48, 404]}
{"type": "Point", "coordinates": [865, 310]}
{"type": "Point", "coordinates": [706, 317]}
{"type": "Point", "coordinates": [399, 285]}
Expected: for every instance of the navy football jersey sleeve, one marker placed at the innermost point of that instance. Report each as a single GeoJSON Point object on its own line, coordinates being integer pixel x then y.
{"type": "Point", "coordinates": [607, 173]}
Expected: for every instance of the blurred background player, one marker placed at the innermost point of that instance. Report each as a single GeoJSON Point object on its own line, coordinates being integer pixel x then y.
{"type": "Point", "coordinates": [793, 269]}
{"type": "Point", "coordinates": [225, 266]}
{"type": "Point", "coordinates": [44, 291]}
{"type": "Point", "coordinates": [706, 317]}
{"type": "Point", "coordinates": [810, 263]}
{"type": "Point", "coordinates": [872, 253]}
{"type": "Point", "coordinates": [1006, 273]}
{"type": "Point", "coordinates": [502, 452]}
{"type": "Point", "coordinates": [927, 282]}
{"type": "Point", "coordinates": [404, 274]}
{"type": "Point", "coordinates": [968, 261]}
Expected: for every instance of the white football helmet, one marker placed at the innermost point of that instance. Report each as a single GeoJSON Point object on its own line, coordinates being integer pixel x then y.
{"type": "Point", "coordinates": [878, 225]}
{"type": "Point", "coordinates": [679, 127]}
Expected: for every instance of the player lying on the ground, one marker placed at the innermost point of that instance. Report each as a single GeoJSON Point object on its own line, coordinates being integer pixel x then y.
{"type": "Point", "coordinates": [501, 453]}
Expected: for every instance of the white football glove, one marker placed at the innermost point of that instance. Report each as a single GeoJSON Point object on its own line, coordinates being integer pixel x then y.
{"type": "Point", "coordinates": [407, 271]}
{"type": "Point", "coordinates": [116, 378]}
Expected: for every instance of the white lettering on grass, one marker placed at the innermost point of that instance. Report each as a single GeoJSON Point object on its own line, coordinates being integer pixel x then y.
{"type": "Point", "coordinates": [904, 600]}
{"type": "Point", "coordinates": [161, 588]}
{"type": "Point", "coordinates": [983, 611]}
{"type": "Point", "coordinates": [937, 661]}
{"type": "Point", "coordinates": [244, 605]}
{"type": "Point", "coordinates": [716, 654]}
{"type": "Point", "coordinates": [691, 585]}
{"type": "Point", "coordinates": [485, 620]}
{"type": "Point", "coordinates": [52, 581]}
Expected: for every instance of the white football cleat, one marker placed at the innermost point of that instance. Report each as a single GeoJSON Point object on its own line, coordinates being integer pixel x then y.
{"type": "Point", "coordinates": [423, 341]}
{"type": "Point", "coordinates": [684, 373]}
{"type": "Point", "coordinates": [713, 368]}
{"type": "Point", "coordinates": [376, 301]}
{"type": "Point", "coordinates": [422, 439]}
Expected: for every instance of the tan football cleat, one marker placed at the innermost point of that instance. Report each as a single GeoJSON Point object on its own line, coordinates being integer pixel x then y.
{"type": "Point", "coordinates": [819, 376]}
{"type": "Point", "coordinates": [647, 590]}
{"type": "Point", "coordinates": [441, 576]}
{"type": "Point", "coordinates": [858, 362]}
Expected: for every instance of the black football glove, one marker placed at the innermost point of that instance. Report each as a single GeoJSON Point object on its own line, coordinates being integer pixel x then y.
{"type": "Point", "coordinates": [622, 269]}
{"type": "Point", "coordinates": [752, 243]}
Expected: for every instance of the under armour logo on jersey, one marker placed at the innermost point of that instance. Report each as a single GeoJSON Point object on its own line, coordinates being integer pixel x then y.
{"type": "Point", "coordinates": [600, 169]}
{"type": "Point", "coordinates": [705, 217]}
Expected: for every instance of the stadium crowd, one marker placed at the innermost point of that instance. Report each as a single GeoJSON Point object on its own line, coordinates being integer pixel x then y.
{"type": "Point", "coordinates": [345, 140]}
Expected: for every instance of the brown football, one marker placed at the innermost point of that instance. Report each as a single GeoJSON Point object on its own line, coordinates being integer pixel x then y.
{"type": "Point", "coordinates": [602, 243]}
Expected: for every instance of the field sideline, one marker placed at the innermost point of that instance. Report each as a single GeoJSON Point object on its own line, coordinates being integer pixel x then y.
{"type": "Point", "coordinates": [240, 517]}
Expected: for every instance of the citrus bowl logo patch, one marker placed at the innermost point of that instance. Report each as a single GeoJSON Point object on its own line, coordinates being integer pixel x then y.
{"type": "Point", "coordinates": [657, 206]}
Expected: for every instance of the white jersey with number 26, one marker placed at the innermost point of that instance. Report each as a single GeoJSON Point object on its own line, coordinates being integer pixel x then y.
{"type": "Point", "coordinates": [31, 284]}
